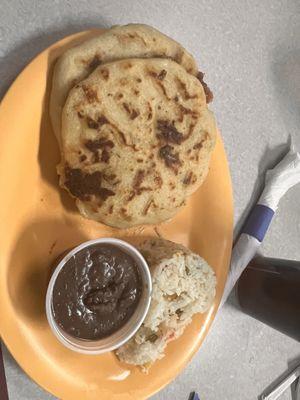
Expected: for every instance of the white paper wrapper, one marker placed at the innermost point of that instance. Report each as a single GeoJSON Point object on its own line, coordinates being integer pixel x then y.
{"type": "Point", "coordinates": [278, 181]}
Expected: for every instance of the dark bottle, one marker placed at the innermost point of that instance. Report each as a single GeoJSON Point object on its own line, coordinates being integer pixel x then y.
{"type": "Point", "coordinates": [269, 290]}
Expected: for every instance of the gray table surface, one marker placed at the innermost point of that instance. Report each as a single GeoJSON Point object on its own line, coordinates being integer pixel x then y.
{"type": "Point", "coordinates": [251, 52]}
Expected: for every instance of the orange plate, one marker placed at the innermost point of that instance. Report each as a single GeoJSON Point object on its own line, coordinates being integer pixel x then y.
{"type": "Point", "coordinates": [38, 222]}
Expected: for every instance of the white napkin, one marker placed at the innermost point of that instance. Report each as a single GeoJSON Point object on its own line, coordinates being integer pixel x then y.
{"type": "Point", "coordinates": [278, 181]}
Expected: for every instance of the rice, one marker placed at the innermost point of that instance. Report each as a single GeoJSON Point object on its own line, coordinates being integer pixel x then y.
{"type": "Point", "coordinates": [183, 285]}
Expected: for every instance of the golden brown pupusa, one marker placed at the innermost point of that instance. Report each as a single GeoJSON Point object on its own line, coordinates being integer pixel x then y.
{"type": "Point", "coordinates": [136, 141]}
